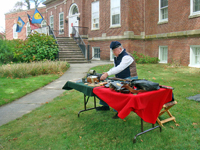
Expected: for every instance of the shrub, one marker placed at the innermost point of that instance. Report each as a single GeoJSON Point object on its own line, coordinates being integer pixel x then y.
{"type": "Point", "coordinates": [6, 51]}
{"type": "Point", "coordinates": [36, 48]}
{"type": "Point", "coordinates": [142, 59]}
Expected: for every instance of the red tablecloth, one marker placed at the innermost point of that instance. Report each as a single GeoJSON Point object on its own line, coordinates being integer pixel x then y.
{"type": "Point", "coordinates": [147, 105]}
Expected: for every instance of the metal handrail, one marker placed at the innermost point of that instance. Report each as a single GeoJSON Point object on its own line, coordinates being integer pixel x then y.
{"type": "Point", "coordinates": [79, 40]}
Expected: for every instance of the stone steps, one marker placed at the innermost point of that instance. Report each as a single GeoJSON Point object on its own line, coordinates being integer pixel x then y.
{"type": "Point", "coordinates": [69, 51]}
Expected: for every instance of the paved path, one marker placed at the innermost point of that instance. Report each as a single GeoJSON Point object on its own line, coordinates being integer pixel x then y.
{"type": "Point", "coordinates": [35, 99]}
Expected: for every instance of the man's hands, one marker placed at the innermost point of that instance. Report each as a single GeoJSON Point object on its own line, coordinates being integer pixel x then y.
{"type": "Point", "coordinates": [104, 76]}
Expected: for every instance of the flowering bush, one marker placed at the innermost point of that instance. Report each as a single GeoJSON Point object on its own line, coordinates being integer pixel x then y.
{"type": "Point", "coordinates": [36, 47]}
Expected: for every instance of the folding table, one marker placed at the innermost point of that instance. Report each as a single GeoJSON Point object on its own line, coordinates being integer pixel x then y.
{"type": "Point", "coordinates": [146, 105]}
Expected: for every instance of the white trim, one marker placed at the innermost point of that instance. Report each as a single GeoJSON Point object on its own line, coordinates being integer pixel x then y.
{"type": "Point", "coordinates": [192, 63]}
{"type": "Point", "coordinates": [160, 21]}
{"type": "Point", "coordinates": [116, 25]}
{"type": "Point", "coordinates": [15, 34]}
{"type": "Point", "coordinates": [93, 54]}
{"type": "Point", "coordinates": [52, 16]}
{"type": "Point", "coordinates": [28, 27]}
{"type": "Point", "coordinates": [111, 55]}
{"type": "Point", "coordinates": [94, 28]}
{"type": "Point", "coordinates": [159, 55]}
{"type": "Point", "coordinates": [63, 23]}
{"type": "Point", "coordinates": [193, 14]}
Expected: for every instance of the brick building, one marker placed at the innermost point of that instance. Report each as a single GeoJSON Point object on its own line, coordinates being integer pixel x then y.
{"type": "Point", "coordinates": [158, 28]}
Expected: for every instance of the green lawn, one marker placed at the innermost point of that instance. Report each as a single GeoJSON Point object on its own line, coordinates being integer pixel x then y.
{"type": "Point", "coordinates": [56, 126]}
{"type": "Point", "coordinates": [12, 89]}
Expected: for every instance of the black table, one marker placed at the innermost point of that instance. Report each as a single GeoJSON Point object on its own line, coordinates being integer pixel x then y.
{"type": "Point", "coordinates": [85, 89]}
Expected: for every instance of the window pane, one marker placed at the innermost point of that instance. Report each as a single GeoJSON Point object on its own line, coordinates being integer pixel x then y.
{"type": "Point", "coordinates": [196, 5]}
{"type": "Point", "coordinates": [95, 6]}
{"type": "Point", "coordinates": [164, 3]}
{"type": "Point", "coordinates": [61, 24]}
{"type": "Point", "coordinates": [164, 13]}
{"type": "Point", "coordinates": [163, 54]}
{"type": "Point", "coordinates": [115, 3]}
{"type": "Point", "coordinates": [75, 10]}
{"type": "Point", "coordinates": [95, 15]}
{"type": "Point", "coordinates": [115, 19]}
{"type": "Point", "coordinates": [115, 12]}
{"type": "Point", "coordinates": [96, 52]}
{"type": "Point", "coordinates": [197, 55]}
{"type": "Point", "coordinates": [52, 22]}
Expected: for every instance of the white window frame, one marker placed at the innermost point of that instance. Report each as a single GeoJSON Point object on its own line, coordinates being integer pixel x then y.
{"type": "Point", "coordinates": [93, 56]}
{"type": "Point", "coordinates": [15, 34]}
{"type": "Point", "coordinates": [95, 15]}
{"type": "Point", "coordinates": [111, 55]}
{"type": "Point", "coordinates": [112, 2]}
{"type": "Point", "coordinates": [192, 13]}
{"type": "Point", "coordinates": [61, 28]}
{"type": "Point", "coordinates": [28, 28]}
{"type": "Point", "coordinates": [161, 49]}
{"type": "Point", "coordinates": [160, 13]}
{"type": "Point", "coordinates": [51, 22]}
{"type": "Point", "coordinates": [192, 56]}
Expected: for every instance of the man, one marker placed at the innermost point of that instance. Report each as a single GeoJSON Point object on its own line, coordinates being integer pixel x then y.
{"type": "Point", "coordinates": [124, 67]}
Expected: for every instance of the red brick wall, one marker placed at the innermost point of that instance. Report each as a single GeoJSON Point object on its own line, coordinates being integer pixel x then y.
{"type": "Point", "coordinates": [129, 45]}
{"type": "Point", "coordinates": [178, 13]}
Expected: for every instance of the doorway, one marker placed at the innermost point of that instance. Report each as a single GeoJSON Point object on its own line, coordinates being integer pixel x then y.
{"type": "Point", "coordinates": [73, 15]}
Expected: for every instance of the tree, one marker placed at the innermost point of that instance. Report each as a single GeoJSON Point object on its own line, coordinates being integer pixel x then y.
{"type": "Point", "coordinates": [26, 3]}
{"type": "Point", "coordinates": [37, 2]}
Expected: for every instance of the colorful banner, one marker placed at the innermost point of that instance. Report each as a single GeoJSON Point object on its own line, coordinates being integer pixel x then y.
{"type": "Point", "coordinates": [20, 24]}
{"type": "Point", "coordinates": [33, 26]}
{"type": "Point", "coordinates": [37, 17]}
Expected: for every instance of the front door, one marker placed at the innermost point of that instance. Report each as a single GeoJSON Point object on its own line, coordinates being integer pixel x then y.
{"type": "Point", "coordinates": [73, 15]}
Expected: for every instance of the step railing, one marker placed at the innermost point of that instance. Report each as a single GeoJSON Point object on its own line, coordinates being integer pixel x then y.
{"type": "Point", "coordinates": [76, 34]}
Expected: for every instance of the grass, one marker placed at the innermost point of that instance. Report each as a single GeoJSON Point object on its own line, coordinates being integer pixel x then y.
{"type": "Point", "coordinates": [56, 126]}
{"type": "Point", "coordinates": [17, 80]}
{"type": "Point", "coordinates": [12, 89]}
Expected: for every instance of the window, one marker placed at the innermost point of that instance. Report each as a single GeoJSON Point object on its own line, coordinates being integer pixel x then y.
{"type": "Point", "coordinates": [61, 23]}
{"type": "Point", "coordinates": [43, 23]}
{"type": "Point", "coordinates": [195, 56]}
{"type": "Point", "coordinates": [194, 7]}
{"type": "Point", "coordinates": [96, 53]}
{"type": "Point", "coordinates": [51, 22]}
{"type": "Point", "coordinates": [111, 55]}
{"type": "Point", "coordinates": [75, 10]}
{"type": "Point", "coordinates": [163, 54]}
{"type": "Point", "coordinates": [95, 15]}
{"type": "Point", "coordinates": [15, 34]}
{"type": "Point", "coordinates": [163, 10]}
{"type": "Point", "coordinates": [115, 12]}
{"type": "Point", "coordinates": [28, 28]}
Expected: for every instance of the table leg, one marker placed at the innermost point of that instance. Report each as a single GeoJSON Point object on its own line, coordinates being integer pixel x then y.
{"type": "Point", "coordinates": [142, 132]}
{"type": "Point", "coordinates": [86, 99]}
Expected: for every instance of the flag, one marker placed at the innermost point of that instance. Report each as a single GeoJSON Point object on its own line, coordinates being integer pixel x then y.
{"type": "Point", "coordinates": [33, 26]}
{"type": "Point", "coordinates": [20, 24]}
{"type": "Point", "coordinates": [37, 17]}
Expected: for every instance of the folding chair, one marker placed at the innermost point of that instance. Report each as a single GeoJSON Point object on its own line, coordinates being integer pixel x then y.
{"type": "Point", "coordinates": [166, 108]}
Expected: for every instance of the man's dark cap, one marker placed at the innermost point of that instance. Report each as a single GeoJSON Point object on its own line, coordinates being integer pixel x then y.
{"type": "Point", "coordinates": [114, 44]}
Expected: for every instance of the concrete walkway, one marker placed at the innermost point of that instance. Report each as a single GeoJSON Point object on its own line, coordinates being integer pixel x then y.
{"type": "Point", "coordinates": [35, 99]}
